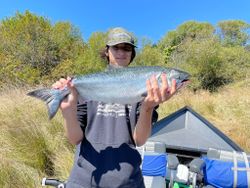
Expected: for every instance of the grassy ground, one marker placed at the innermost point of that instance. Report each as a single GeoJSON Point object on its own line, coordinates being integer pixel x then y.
{"type": "Point", "coordinates": [33, 147]}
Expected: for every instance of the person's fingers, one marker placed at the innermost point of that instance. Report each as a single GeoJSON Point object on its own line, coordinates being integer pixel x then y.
{"type": "Point", "coordinates": [164, 87]}
{"type": "Point", "coordinates": [149, 89]}
{"type": "Point", "coordinates": [173, 87]}
{"type": "Point", "coordinates": [63, 81]}
{"type": "Point", "coordinates": [71, 86]}
{"type": "Point", "coordinates": [156, 90]}
{"type": "Point", "coordinates": [74, 91]}
{"type": "Point", "coordinates": [57, 85]}
{"type": "Point", "coordinates": [69, 78]}
{"type": "Point", "coordinates": [69, 82]}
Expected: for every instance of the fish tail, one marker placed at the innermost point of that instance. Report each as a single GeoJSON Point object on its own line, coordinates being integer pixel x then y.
{"type": "Point", "coordinates": [52, 97]}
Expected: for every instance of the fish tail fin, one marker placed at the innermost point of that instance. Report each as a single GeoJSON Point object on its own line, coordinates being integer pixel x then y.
{"type": "Point", "coordinates": [52, 97]}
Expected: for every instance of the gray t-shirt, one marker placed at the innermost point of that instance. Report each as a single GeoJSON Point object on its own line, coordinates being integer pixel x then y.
{"type": "Point", "coordinates": [107, 157]}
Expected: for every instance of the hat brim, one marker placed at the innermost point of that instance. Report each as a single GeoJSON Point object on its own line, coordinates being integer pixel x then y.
{"type": "Point", "coordinates": [120, 42]}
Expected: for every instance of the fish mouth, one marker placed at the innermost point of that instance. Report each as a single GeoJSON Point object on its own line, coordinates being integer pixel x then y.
{"type": "Point", "coordinates": [183, 84]}
{"type": "Point", "coordinates": [185, 81]}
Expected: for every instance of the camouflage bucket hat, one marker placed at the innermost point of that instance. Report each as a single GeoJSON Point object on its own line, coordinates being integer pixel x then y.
{"type": "Point", "coordinates": [119, 35]}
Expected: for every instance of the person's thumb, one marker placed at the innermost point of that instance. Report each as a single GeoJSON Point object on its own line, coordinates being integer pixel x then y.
{"type": "Point", "coordinates": [72, 88]}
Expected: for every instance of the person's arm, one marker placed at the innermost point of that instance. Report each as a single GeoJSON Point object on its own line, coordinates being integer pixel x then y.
{"type": "Point", "coordinates": [155, 96]}
{"type": "Point", "coordinates": [143, 127]}
{"type": "Point", "coordinates": [68, 107]}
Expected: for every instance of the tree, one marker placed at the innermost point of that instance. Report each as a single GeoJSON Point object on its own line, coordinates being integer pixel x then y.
{"type": "Point", "coordinates": [202, 59]}
{"type": "Point", "coordinates": [233, 32]}
{"type": "Point", "coordinates": [68, 40]}
{"type": "Point", "coordinates": [31, 45]}
{"type": "Point", "coordinates": [188, 31]}
{"type": "Point", "coordinates": [86, 62]}
{"type": "Point", "coordinates": [237, 62]}
{"type": "Point", "coordinates": [26, 38]}
{"type": "Point", "coordinates": [149, 55]}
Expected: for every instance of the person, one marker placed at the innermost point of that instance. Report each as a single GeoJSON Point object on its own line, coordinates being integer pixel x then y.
{"type": "Point", "coordinates": [108, 134]}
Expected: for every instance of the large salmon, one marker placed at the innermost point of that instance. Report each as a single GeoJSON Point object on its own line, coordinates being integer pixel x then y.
{"type": "Point", "coordinates": [117, 85]}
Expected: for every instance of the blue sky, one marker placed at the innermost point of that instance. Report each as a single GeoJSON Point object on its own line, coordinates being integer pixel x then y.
{"type": "Point", "coordinates": [145, 18]}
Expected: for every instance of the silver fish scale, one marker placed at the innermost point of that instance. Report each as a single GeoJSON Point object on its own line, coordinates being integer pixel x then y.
{"type": "Point", "coordinates": [125, 85]}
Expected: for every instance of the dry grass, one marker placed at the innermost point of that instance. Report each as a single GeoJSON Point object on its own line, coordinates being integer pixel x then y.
{"type": "Point", "coordinates": [30, 143]}
{"type": "Point", "coordinates": [33, 147]}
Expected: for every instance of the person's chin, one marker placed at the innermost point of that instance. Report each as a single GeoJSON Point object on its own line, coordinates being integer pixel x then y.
{"type": "Point", "coordinates": [122, 62]}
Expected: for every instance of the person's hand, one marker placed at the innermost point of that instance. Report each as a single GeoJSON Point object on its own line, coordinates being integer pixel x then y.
{"type": "Point", "coordinates": [71, 100]}
{"type": "Point", "coordinates": [156, 94]}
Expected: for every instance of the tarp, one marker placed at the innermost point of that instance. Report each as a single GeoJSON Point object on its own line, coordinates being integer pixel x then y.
{"type": "Point", "coordinates": [185, 129]}
{"type": "Point", "coordinates": [224, 174]}
{"type": "Point", "coordinates": [154, 165]}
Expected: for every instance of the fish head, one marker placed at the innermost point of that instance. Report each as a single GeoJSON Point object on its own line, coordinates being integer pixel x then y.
{"type": "Point", "coordinates": [181, 77]}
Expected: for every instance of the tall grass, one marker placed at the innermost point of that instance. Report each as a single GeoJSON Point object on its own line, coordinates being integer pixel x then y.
{"type": "Point", "coordinates": [33, 147]}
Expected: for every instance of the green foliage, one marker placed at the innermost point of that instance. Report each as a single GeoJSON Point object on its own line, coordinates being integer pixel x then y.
{"type": "Point", "coordinates": [167, 52]}
{"type": "Point", "coordinates": [234, 32]}
{"type": "Point", "coordinates": [30, 45]}
{"type": "Point", "coordinates": [87, 61]}
{"type": "Point", "coordinates": [13, 72]}
{"type": "Point", "coordinates": [68, 40]}
{"type": "Point", "coordinates": [186, 31]}
{"type": "Point", "coordinates": [195, 30]}
{"type": "Point", "coordinates": [236, 62]}
{"type": "Point", "coordinates": [90, 61]}
{"type": "Point", "coordinates": [27, 38]}
{"type": "Point", "coordinates": [196, 48]}
{"type": "Point", "coordinates": [149, 56]}
{"type": "Point", "coordinates": [202, 59]}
